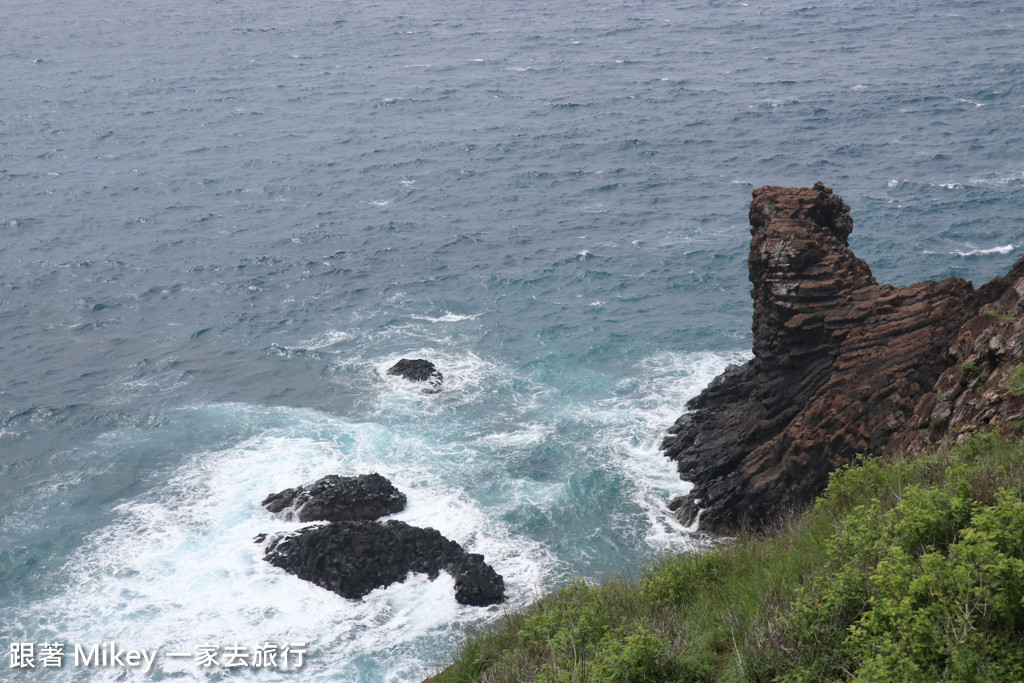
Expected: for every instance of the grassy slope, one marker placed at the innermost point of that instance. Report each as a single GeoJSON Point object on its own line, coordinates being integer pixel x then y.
{"type": "Point", "coordinates": [903, 571]}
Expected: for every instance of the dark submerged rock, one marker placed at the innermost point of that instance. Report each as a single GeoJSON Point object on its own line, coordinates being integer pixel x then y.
{"type": "Point", "coordinates": [418, 370]}
{"type": "Point", "coordinates": [840, 364]}
{"type": "Point", "coordinates": [353, 558]}
{"type": "Point", "coordinates": [335, 499]}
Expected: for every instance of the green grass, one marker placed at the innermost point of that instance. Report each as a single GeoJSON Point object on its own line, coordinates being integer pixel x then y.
{"type": "Point", "coordinates": [1005, 317]}
{"type": "Point", "coordinates": [906, 571]}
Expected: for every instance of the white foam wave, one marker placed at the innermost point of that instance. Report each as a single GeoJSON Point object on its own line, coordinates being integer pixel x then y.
{"type": "Point", "coordinates": [531, 435]}
{"type": "Point", "coordinates": [971, 251]}
{"type": "Point", "coordinates": [178, 567]}
{"type": "Point", "coordinates": [999, 181]}
{"type": "Point", "coordinates": [633, 426]}
{"type": "Point", "coordinates": [326, 340]}
{"type": "Point", "coordinates": [448, 317]}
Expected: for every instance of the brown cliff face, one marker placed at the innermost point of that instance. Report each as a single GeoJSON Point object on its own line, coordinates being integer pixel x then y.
{"type": "Point", "coordinates": [983, 385]}
{"type": "Point", "coordinates": [840, 363]}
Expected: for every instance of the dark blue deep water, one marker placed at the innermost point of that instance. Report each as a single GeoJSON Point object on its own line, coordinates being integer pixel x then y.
{"type": "Point", "coordinates": [223, 221]}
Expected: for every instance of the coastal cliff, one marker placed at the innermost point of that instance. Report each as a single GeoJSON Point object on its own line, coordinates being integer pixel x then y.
{"type": "Point", "coordinates": [842, 365]}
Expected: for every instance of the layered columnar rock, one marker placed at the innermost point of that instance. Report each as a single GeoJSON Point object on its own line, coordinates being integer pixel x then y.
{"type": "Point", "coordinates": [335, 499]}
{"type": "Point", "coordinates": [354, 558]}
{"type": "Point", "coordinates": [839, 365]}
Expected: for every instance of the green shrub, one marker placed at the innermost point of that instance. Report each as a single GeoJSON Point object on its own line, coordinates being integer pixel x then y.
{"type": "Point", "coordinates": [1016, 382]}
{"type": "Point", "coordinates": [566, 623]}
{"type": "Point", "coordinates": [634, 655]}
{"type": "Point", "coordinates": [927, 590]}
{"type": "Point", "coordinates": [948, 615]}
{"type": "Point", "coordinates": [969, 368]}
{"type": "Point", "coordinates": [679, 580]}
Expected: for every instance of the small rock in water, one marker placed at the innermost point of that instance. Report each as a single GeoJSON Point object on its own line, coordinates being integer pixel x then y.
{"type": "Point", "coordinates": [418, 370]}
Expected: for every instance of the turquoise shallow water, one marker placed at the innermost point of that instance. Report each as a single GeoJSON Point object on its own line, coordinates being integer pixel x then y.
{"type": "Point", "coordinates": [222, 222]}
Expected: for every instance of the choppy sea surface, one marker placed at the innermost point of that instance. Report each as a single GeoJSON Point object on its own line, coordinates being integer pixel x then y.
{"type": "Point", "coordinates": [223, 221]}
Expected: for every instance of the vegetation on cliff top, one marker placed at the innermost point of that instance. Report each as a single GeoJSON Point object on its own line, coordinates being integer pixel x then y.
{"type": "Point", "coordinates": [911, 570]}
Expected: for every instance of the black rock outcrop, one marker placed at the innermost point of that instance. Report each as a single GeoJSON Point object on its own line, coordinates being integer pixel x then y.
{"type": "Point", "coordinates": [355, 554]}
{"type": "Point", "coordinates": [418, 370]}
{"type": "Point", "coordinates": [336, 499]}
{"type": "Point", "coordinates": [354, 558]}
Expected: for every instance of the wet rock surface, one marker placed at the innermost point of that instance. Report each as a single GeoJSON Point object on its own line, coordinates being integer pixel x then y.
{"type": "Point", "coordinates": [840, 364]}
{"type": "Point", "coordinates": [354, 553]}
{"type": "Point", "coordinates": [354, 558]}
{"type": "Point", "coordinates": [334, 499]}
{"type": "Point", "coordinates": [418, 370]}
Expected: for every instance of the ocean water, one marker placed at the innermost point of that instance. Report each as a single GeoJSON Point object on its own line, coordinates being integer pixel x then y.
{"type": "Point", "coordinates": [223, 221]}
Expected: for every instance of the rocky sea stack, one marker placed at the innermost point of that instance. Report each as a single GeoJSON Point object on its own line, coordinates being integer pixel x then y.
{"type": "Point", "coordinates": [841, 364]}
